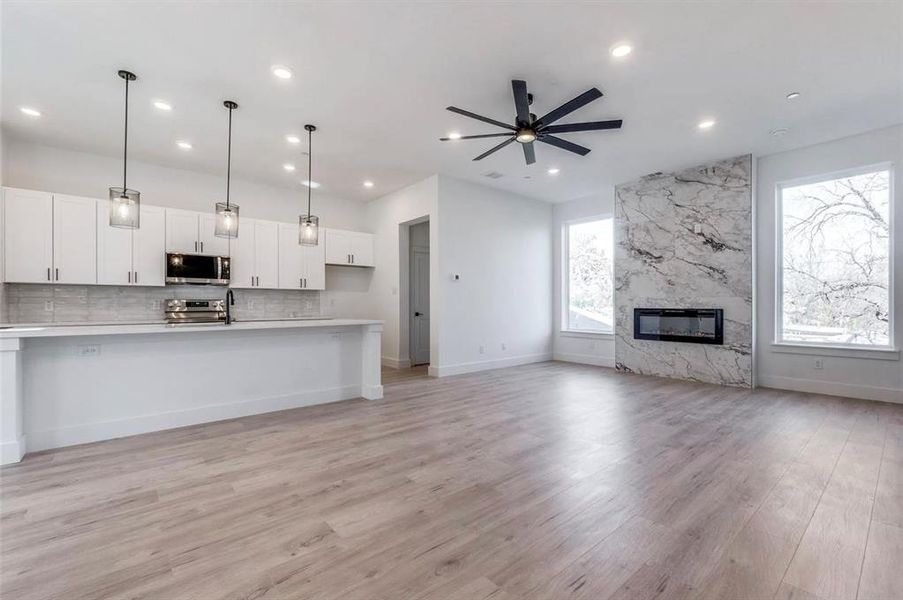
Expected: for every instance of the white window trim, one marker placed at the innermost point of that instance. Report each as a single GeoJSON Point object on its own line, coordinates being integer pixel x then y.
{"type": "Point", "coordinates": [565, 287]}
{"type": "Point", "coordinates": [779, 344]}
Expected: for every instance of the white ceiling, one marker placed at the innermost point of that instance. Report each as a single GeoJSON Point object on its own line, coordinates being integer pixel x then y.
{"type": "Point", "coordinates": [376, 78]}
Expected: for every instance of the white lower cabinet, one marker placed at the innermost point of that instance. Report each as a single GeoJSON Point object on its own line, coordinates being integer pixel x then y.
{"type": "Point", "coordinates": [300, 267]}
{"type": "Point", "coordinates": [132, 256]}
{"type": "Point", "coordinates": [255, 255]}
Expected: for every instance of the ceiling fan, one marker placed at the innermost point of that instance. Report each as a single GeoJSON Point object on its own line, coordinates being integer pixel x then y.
{"type": "Point", "coordinates": [528, 129]}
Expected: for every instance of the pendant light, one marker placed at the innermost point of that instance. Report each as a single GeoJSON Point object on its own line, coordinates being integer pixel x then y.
{"type": "Point", "coordinates": [309, 224]}
{"type": "Point", "coordinates": [125, 204]}
{"type": "Point", "coordinates": [227, 213]}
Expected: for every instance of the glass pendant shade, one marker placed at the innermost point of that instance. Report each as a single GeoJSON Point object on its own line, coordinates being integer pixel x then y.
{"type": "Point", "coordinates": [226, 220]}
{"type": "Point", "coordinates": [125, 208]}
{"type": "Point", "coordinates": [308, 232]}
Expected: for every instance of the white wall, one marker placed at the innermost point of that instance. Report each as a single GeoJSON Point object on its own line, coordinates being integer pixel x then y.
{"type": "Point", "coordinates": [501, 246]}
{"type": "Point", "coordinates": [388, 294]}
{"type": "Point", "coordinates": [593, 349]}
{"type": "Point", "coordinates": [865, 377]}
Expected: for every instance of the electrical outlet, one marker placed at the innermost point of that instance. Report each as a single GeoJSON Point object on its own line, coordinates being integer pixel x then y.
{"type": "Point", "coordinates": [819, 363]}
{"type": "Point", "coordinates": [89, 350]}
{"type": "Point", "coordinates": [482, 349]}
{"type": "Point", "coordinates": [48, 305]}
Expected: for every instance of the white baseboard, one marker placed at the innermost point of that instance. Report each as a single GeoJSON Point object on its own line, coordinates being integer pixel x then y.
{"type": "Point", "coordinates": [12, 452]}
{"type": "Point", "coordinates": [107, 430]}
{"type": "Point", "coordinates": [585, 359]}
{"type": "Point", "coordinates": [395, 363]}
{"type": "Point", "coordinates": [372, 392]}
{"type": "Point", "coordinates": [486, 365]}
{"type": "Point", "coordinates": [846, 390]}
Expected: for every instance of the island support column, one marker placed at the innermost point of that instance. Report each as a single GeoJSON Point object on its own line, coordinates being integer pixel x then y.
{"type": "Point", "coordinates": [12, 430]}
{"type": "Point", "coordinates": [371, 363]}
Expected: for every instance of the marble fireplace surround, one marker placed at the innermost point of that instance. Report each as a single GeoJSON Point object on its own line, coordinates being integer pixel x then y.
{"type": "Point", "coordinates": [684, 240]}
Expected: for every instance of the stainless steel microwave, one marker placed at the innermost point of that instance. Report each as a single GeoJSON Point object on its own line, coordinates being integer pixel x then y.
{"type": "Point", "coordinates": [197, 269]}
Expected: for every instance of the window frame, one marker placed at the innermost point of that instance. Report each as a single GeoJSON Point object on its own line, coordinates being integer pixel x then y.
{"type": "Point", "coordinates": [778, 340]}
{"type": "Point", "coordinates": [564, 329]}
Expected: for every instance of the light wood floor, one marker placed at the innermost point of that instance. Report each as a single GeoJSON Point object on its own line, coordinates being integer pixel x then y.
{"type": "Point", "coordinates": [543, 481]}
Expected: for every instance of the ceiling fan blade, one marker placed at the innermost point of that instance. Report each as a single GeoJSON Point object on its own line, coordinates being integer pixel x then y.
{"type": "Point", "coordinates": [564, 145]}
{"type": "Point", "coordinates": [474, 137]}
{"type": "Point", "coordinates": [467, 113]}
{"type": "Point", "coordinates": [493, 149]}
{"type": "Point", "coordinates": [569, 107]}
{"type": "Point", "coordinates": [529, 153]}
{"type": "Point", "coordinates": [521, 101]}
{"type": "Point", "coordinates": [591, 126]}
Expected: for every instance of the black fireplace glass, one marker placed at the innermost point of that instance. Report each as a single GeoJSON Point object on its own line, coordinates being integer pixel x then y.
{"type": "Point", "coordinates": [692, 325]}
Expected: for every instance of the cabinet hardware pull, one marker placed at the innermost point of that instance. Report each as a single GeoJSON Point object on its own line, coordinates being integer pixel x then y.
{"type": "Point", "coordinates": [352, 259]}
{"type": "Point", "coordinates": [130, 277]}
{"type": "Point", "coordinates": [305, 282]}
{"type": "Point", "coordinates": [136, 276]}
{"type": "Point", "coordinates": [202, 246]}
{"type": "Point", "coordinates": [195, 246]}
{"type": "Point", "coordinates": [48, 273]}
{"type": "Point", "coordinates": [57, 273]}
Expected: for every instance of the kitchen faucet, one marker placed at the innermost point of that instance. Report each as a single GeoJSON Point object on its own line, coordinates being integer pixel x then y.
{"type": "Point", "coordinates": [230, 301]}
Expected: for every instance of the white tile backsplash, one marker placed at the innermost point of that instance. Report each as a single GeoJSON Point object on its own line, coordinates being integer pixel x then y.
{"type": "Point", "coordinates": [41, 303]}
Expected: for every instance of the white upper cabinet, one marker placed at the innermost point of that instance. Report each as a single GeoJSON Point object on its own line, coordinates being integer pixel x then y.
{"type": "Point", "coordinates": [74, 239]}
{"type": "Point", "coordinates": [351, 248]}
{"type": "Point", "coordinates": [290, 259]}
{"type": "Point", "coordinates": [209, 243]}
{"type": "Point", "coordinates": [132, 257]}
{"type": "Point", "coordinates": [149, 247]}
{"type": "Point", "coordinates": [28, 236]}
{"type": "Point", "coordinates": [182, 231]}
{"type": "Point", "coordinates": [313, 267]}
{"type": "Point", "coordinates": [255, 255]}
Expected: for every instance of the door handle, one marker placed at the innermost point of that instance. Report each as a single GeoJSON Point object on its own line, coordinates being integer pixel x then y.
{"type": "Point", "coordinates": [418, 314]}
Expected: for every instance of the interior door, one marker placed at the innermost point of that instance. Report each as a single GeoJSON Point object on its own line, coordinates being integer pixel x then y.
{"type": "Point", "coordinates": [290, 257]}
{"type": "Point", "coordinates": [314, 267]}
{"type": "Point", "coordinates": [181, 231]}
{"type": "Point", "coordinates": [266, 253]}
{"type": "Point", "coordinates": [28, 236]}
{"type": "Point", "coordinates": [420, 306]}
{"type": "Point", "coordinates": [114, 250]}
{"type": "Point", "coordinates": [74, 239]}
{"type": "Point", "coordinates": [149, 248]}
{"type": "Point", "coordinates": [210, 244]}
{"type": "Point", "coordinates": [241, 249]}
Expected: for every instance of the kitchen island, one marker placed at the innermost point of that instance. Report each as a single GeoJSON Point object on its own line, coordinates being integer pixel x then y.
{"type": "Point", "coordinates": [66, 385]}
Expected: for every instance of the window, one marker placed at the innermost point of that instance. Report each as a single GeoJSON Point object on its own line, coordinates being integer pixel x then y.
{"type": "Point", "coordinates": [588, 285]}
{"type": "Point", "coordinates": [834, 285]}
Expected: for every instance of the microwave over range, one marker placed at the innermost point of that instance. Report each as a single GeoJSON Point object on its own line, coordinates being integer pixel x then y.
{"type": "Point", "coordinates": [197, 269]}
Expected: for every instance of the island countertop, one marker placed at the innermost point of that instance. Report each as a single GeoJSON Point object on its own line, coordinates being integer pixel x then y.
{"type": "Point", "coordinates": [94, 329]}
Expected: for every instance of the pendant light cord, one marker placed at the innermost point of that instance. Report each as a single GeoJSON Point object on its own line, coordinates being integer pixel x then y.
{"type": "Point", "coordinates": [125, 145]}
{"type": "Point", "coordinates": [229, 160]}
{"type": "Point", "coordinates": [310, 179]}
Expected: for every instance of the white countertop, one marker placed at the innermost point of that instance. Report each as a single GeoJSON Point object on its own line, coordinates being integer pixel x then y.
{"type": "Point", "coordinates": [57, 330]}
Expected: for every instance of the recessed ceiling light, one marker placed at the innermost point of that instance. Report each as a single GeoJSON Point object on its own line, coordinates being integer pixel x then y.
{"type": "Point", "coordinates": [310, 184]}
{"type": "Point", "coordinates": [454, 135]}
{"type": "Point", "coordinates": [554, 171]}
{"type": "Point", "coordinates": [31, 112]}
{"type": "Point", "coordinates": [161, 105]}
{"type": "Point", "coordinates": [184, 145]}
{"type": "Point", "coordinates": [281, 72]}
{"type": "Point", "coordinates": [292, 139]}
{"type": "Point", "coordinates": [706, 124]}
{"type": "Point", "coordinates": [793, 95]}
{"type": "Point", "coordinates": [620, 50]}
{"type": "Point", "coordinates": [368, 184]}
{"type": "Point", "coordinates": [288, 167]}
{"type": "Point", "coordinates": [779, 132]}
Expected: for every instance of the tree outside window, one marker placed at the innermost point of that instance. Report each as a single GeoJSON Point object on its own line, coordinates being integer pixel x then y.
{"type": "Point", "coordinates": [589, 286]}
{"type": "Point", "coordinates": [835, 275]}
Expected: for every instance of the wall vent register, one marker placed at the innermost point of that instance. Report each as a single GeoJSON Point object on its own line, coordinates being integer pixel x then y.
{"type": "Point", "coordinates": [691, 325]}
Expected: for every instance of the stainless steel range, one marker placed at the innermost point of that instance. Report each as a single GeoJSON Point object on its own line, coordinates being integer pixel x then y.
{"type": "Point", "coordinates": [188, 312]}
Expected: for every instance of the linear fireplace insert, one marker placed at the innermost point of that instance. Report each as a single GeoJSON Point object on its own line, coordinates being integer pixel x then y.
{"type": "Point", "coordinates": [693, 325]}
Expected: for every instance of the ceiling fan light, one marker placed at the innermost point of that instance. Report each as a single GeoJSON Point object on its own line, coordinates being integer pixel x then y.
{"type": "Point", "coordinates": [525, 136]}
